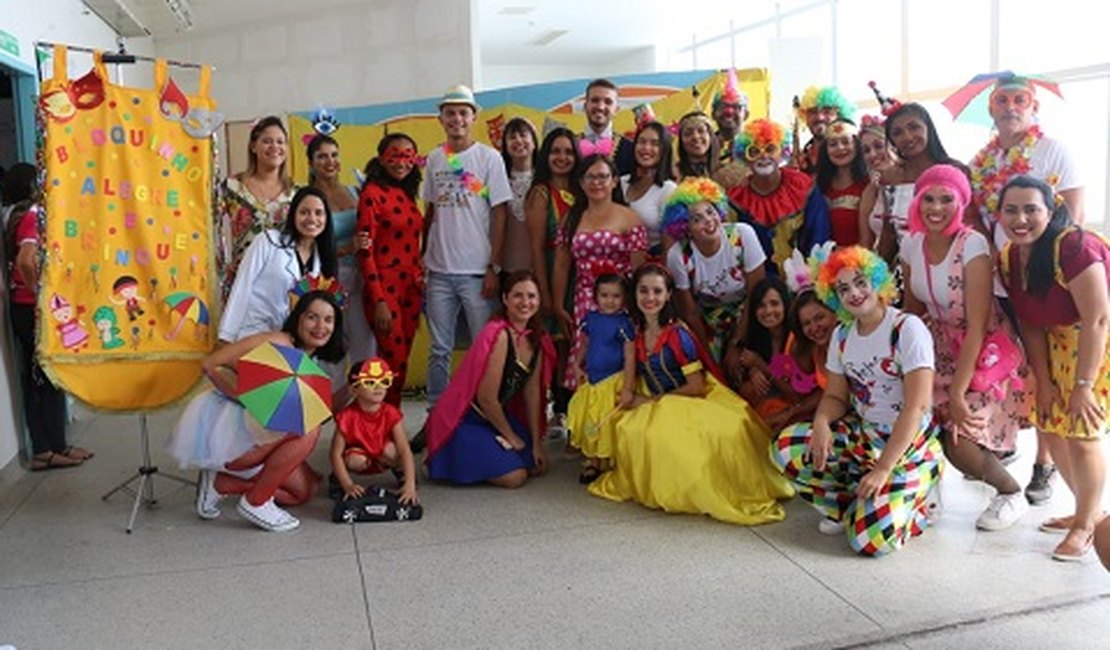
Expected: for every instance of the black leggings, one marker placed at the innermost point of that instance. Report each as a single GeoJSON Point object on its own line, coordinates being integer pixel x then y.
{"type": "Point", "coordinates": [44, 405]}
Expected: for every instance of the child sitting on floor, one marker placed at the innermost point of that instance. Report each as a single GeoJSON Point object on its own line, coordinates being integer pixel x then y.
{"type": "Point", "coordinates": [370, 437]}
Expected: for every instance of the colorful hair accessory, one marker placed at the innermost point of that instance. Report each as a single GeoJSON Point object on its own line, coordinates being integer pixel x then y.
{"type": "Point", "coordinates": [841, 127]}
{"type": "Point", "coordinates": [323, 122]}
{"type": "Point", "coordinates": [887, 105]}
{"type": "Point", "coordinates": [602, 267]}
{"type": "Point", "coordinates": [374, 372]}
{"type": "Point", "coordinates": [310, 283]}
{"type": "Point", "coordinates": [690, 192]}
{"type": "Point", "coordinates": [827, 97]}
{"type": "Point", "coordinates": [762, 137]}
{"type": "Point", "coordinates": [731, 93]}
{"type": "Point", "coordinates": [691, 118]}
{"type": "Point", "coordinates": [469, 181]}
{"type": "Point", "coordinates": [800, 272]}
{"type": "Point", "coordinates": [873, 124]}
{"type": "Point", "coordinates": [643, 114]}
{"type": "Point", "coordinates": [950, 178]}
{"type": "Point", "coordinates": [866, 263]}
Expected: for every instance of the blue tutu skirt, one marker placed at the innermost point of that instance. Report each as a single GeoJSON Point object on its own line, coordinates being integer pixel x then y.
{"type": "Point", "coordinates": [214, 430]}
{"type": "Point", "coordinates": [473, 455]}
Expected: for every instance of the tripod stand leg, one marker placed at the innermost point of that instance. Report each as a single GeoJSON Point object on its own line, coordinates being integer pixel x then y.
{"type": "Point", "coordinates": [143, 486]}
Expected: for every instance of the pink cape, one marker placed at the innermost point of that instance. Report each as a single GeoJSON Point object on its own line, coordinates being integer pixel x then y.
{"type": "Point", "coordinates": [454, 402]}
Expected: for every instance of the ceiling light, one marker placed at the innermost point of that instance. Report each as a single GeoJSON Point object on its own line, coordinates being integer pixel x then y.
{"type": "Point", "coordinates": [516, 11]}
{"type": "Point", "coordinates": [182, 12]}
{"type": "Point", "coordinates": [548, 36]}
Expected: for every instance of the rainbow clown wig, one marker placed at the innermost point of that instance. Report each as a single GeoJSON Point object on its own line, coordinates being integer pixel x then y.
{"type": "Point", "coordinates": [949, 178]}
{"type": "Point", "coordinates": [762, 136]}
{"type": "Point", "coordinates": [690, 192]}
{"type": "Point", "coordinates": [860, 259]}
{"type": "Point", "coordinates": [827, 97]}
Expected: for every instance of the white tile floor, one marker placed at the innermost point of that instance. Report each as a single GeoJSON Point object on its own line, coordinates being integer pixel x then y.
{"type": "Point", "coordinates": [546, 566]}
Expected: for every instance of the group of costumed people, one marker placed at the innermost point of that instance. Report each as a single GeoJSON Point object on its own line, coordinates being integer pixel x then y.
{"type": "Point", "coordinates": [720, 323]}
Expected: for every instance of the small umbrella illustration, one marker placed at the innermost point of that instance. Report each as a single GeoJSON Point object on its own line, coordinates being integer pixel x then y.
{"type": "Point", "coordinates": [190, 307]}
{"type": "Point", "coordinates": [977, 92]}
{"type": "Point", "coordinates": [284, 389]}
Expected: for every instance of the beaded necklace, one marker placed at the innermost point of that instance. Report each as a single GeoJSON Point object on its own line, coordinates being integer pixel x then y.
{"type": "Point", "coordinates": [468, 180]}
{"type": "Point", "coordinates": [993, 166]}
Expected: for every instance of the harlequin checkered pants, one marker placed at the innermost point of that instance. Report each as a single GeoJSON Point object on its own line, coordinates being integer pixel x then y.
{"type": "Point", "coordinates": [874, 526]}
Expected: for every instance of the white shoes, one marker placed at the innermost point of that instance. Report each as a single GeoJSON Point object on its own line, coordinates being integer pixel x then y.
{"type": "Point", "coordinates": [208, 499]}
{"type": "Point", "coordinates": [1004, 510]}
{"type": "Point", "coordinates": [267, 516]}
{"type": "Point", "coordinates": [829, 526]}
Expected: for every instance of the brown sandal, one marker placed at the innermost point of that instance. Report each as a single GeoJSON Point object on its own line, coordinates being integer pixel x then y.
{"type": "Point", "coordinates": [51, 460]}
{"type": "Point", "coordinates": [77, 453]}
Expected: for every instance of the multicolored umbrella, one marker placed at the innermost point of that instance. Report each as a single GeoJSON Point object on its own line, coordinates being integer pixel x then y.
{"type": "Point", "coordinates": [190, 307]}
{"type": "Point", "coordinates": [977, 91]}
{"type": "Point", "coordinates": [284, 389]}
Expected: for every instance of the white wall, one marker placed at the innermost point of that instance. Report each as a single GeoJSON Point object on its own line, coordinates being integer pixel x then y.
{"type": "Point", "coordinates": [504, 76]}
{"type": "Point", "coordinates": [59, 21]}
{"type": "Point", "coordinates": [365, 53]}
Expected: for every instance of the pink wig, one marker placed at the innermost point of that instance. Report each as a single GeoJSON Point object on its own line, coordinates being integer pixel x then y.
{"type": "Point", "coordinates": [950, 178]}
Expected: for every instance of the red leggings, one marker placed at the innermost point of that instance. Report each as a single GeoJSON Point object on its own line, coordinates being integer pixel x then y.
{"type": "Point", "coordinates": [285, 475]}
{"type": "Point", "coordinates": [404, 295]}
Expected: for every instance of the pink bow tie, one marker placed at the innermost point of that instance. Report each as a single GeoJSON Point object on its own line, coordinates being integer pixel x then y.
{"type": "Point", "coordinates": [603, 146]}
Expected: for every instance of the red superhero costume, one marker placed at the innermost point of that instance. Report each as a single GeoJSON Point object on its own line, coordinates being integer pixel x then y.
{"type": "Point", "coordinates": [392, 271]}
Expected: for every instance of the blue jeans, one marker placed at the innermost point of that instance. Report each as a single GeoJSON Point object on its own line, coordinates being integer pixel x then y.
{"type": "Point", "coordinates": [445, 294]}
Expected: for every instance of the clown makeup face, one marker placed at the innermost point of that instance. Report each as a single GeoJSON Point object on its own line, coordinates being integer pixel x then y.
{"type": "Point", "coordinates": [316, 325]}
{"type": "Point", "coordinates": [610, 297]}
{"type": "Point", "coordinates": [876, 152]}
{"type": "Point", "coordinates": [269, 148]}
{"type": "Point", "coordinates": [695, 139]}
{"type": "Point", "coordinates": [729, 116]}
{"type": "Point", "coordinates": [522, 300]}
{"type": "Point", "coordinates": [817, 322]}
{"type": "Point", "coordinates": [311, 217]}
{"type": "Point", "coordinates": [704, 224]}
{"type": "Point", "coordinates": [652, 294]}
{"type": "Point", "coordinates": [647, 149]}
{"type": "Point", "coordinates": [855, 293]}
{"type": "Point", "coordinates": [561, 159]}
{"type": "Point", "coordinates": [325, 162]}
{"type": "Point", "coordinates": [1013, 110]}
{"type": "Point", "coordinates": [599, 181]}
{"type": "Point", "coordinates": [938, 208]}
{"type": "Point", "coordinates": [763, 161]}
{"type": "Point", "coordinates": [818, 118]}
{"type": "Point", "coordinates": [842, 149]}
{"type": "Point", "coordinates": [601, 105]}
{"type": "Point", "coordinates": [1024, 215]}
{"type": "Point", "coordinates": [909, 135]}
{"type": "Point", "coordinates": [456, 120]}
{"type": "Point", "coordinates": [398, 159]}
{"type": "Point", "coordinates": [771, 312]}
{"type": "Point", "coordinates": [521, 145]}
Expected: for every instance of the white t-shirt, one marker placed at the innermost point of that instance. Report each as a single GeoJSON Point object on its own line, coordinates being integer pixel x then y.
{"type": "Point", "coordinates": [975, 245]}
{"type": "Point", "coordinates": [650, 206]}
{"type": "Point", "coordinates": [718, 275]}
{"type": "Point", "coordinates": [458, 241]}
{"type": "Point", "coordinates": [874, 376]}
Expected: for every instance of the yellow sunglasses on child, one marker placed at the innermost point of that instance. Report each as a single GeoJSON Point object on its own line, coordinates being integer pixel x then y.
{"type": "Point", "coordinates": [380, 382]}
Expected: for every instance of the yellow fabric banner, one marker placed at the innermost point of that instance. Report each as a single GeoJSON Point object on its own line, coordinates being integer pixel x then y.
{"type": "Point", "coordinates": [126, 298]}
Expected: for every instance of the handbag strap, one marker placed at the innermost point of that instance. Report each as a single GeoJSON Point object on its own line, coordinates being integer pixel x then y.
{"type": "Point", "coordinates": [961, 239]}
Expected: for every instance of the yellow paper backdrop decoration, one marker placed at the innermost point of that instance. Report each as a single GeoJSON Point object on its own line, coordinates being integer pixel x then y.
{"type": "Point", "coordinates": [126, 298]}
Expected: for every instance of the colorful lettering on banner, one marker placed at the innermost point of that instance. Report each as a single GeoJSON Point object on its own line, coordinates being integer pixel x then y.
{"type": "Point", "coordinates": [128, 237]}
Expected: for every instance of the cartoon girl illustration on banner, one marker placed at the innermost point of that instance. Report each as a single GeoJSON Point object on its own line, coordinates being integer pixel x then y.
{"type": "Point", "coordinates": [73, 333]}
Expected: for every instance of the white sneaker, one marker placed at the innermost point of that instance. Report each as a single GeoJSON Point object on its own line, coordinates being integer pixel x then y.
{"type": "Point", "coordinates": [1003, 511]}
{"type": "Point", "coordinates": [934, 505]}
{"type": "Point", "coordinates": [557, 427]}
{"type": "Point", "coordinates": [267, 516]}
{"type": "Point", "coordinates": [829, 526]}
{"type": "Point", "coordinates": [208, 499]}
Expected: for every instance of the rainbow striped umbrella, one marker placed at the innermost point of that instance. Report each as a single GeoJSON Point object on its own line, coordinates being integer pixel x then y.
{"type": "Point", "coordinates": [284, 389]}
{"type": "Point", "coordinates": [190, 307]}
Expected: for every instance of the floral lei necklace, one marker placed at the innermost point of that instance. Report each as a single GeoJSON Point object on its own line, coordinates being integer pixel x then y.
{"type": "Point", "coordinates": [993, 166]}
{"type": "Point", "coordinates": [469, 181]}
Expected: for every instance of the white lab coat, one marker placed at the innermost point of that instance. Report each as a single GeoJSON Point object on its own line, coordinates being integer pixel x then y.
{"type": "Point", "coordinates": [259, 300]}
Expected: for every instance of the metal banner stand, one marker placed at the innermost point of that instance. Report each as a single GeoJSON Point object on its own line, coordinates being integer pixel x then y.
{"type": "Point", "coordinates": [144, 493]}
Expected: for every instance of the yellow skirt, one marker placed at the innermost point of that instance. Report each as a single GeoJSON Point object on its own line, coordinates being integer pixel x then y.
{"type": "Point", "coordinates": [1063, 354]}
{"type": "Point", "coordinates": [592, 416]}
{"type": "Point", "coordinates": [697, 455]}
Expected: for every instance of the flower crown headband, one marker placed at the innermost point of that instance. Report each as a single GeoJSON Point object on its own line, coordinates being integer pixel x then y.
{"type": "Point", "coordinates": [310, 283]}
{"type": "Point", "coordinates": [801, 272]}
